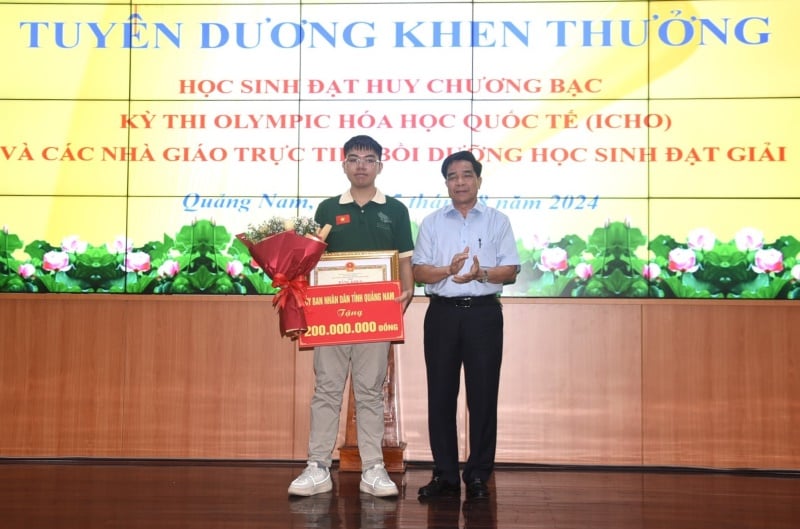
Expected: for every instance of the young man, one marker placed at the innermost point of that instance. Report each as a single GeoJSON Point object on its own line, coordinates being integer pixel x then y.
{"type": "Point", "coordinates": [465, 252]}
{"type": "Point", "coordinates": [363, 219]}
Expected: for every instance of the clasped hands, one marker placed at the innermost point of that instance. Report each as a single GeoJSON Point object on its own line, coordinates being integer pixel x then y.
{"type": "Point", "coordinates": [457, 263]}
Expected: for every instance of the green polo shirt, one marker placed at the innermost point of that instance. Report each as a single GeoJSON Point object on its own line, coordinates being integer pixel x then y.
{"type": "Point", "coordinates": [381, 224]}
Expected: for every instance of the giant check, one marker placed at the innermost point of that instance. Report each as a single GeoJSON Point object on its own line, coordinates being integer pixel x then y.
{"type": "Point", "coordinates": [353, 299]}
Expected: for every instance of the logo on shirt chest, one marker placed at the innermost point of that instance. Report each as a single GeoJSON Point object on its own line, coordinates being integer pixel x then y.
{"type": "Point", "coordinates": [342, 219]}
{"type": "Point", "coordinates": [384, 221]}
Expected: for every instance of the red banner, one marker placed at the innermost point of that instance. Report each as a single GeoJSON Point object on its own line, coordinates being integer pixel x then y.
{"type": "Point", "coordinates": [353, 313]}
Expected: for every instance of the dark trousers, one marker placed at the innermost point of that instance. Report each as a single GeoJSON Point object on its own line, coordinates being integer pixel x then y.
{"type": "Point", "coordinates": [472, 337]}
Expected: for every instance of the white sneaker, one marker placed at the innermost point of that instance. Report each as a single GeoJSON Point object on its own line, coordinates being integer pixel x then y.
{"type": "Point", "coordinates": [377, 482]}
{"type": "Point", "coordinates": [313, 480]}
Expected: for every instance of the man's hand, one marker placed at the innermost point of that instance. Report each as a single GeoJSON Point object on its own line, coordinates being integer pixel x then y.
{"type": "Point", "coordinates": [474, 273]}
{"type": "Point", "coordinates": [457, 262]}
{"type": "Point", "coordinates": [405, 298]}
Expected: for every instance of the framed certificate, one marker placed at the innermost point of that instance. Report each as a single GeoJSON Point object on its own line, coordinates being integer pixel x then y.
{"type": "Point", "coordinates": [339, 268]}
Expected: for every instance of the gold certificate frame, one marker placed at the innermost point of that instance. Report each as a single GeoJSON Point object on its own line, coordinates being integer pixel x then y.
{"type": "Point", "coordinates": [337, 268]}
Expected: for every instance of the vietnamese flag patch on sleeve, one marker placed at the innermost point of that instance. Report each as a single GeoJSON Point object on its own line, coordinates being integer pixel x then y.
{"type": "Point", "coordinates": [342, 219]}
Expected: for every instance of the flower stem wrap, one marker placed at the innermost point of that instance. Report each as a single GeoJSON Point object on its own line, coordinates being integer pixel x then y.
{"type": "Point", "coordinates": [294, 289]}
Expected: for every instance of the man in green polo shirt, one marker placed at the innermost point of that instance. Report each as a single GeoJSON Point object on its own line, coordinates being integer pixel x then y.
{"type": "Point", "coordinates": [362, 219]}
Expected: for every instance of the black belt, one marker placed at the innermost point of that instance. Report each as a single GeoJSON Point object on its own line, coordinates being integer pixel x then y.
{"type": "Point", "coordinates": [466, 302]}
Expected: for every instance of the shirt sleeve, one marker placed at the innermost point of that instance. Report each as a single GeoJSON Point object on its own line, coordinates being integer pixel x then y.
{"type": "Point", "coordinates": [423, 250]}
{"type": "Point", "coordinates": [319, 215]}
{"type": "Point", "coordinates": [507, 253]}
{"type": "Point", "coordinates": [404, 242]}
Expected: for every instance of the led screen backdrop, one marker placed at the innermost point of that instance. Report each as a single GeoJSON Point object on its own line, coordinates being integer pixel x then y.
{"type": "Point", "coordinates": [641, 149]}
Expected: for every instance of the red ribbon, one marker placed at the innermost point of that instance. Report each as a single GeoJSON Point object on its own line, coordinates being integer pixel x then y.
{"type": "Point", "coordinates": [289, 287]}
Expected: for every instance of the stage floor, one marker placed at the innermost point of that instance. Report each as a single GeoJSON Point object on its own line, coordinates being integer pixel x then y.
{"type": "Point", "coordinates": [237, 495]}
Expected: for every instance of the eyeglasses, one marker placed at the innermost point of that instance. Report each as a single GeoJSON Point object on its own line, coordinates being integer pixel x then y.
{"type": "Point", "coordinates": [355, 161]}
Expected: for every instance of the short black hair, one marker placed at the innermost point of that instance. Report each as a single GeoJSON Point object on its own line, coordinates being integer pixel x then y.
{"type": "Point", "coordinates": [462, 155]}
{"type": "Point", "coordinates": [363, 142]}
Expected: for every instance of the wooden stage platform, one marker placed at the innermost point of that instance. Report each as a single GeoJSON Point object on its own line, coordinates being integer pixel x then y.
{"type": "Point", "coordinates": [93, 494]}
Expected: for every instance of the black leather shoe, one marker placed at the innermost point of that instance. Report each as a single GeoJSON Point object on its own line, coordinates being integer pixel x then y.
{"type": "Point", "coordinates": [477, 490]}
{"type": "Point", "coordinates": [438, 487]}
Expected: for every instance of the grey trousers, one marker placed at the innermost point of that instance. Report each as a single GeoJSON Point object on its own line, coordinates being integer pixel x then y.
{"type": "Point", "coordinates": [367, 363]}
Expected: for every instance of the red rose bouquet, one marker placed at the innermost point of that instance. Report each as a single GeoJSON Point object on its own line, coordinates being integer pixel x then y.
{"type": "Point", "coordinates": [287, 250]}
